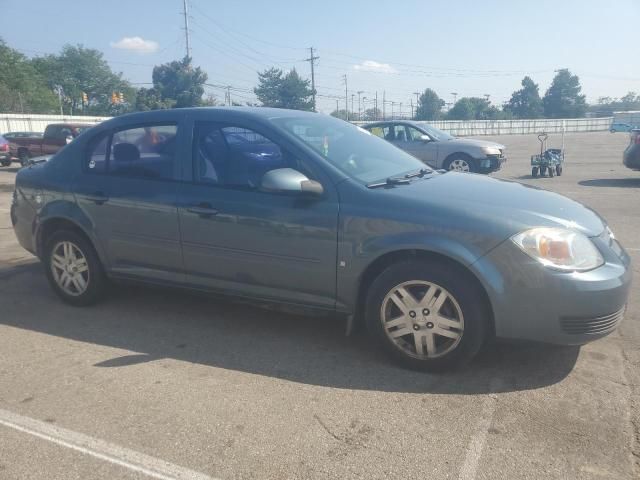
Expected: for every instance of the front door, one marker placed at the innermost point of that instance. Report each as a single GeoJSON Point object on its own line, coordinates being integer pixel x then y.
{"type": "Point", "coordinates": [129, 191]}
{"type": "Point", "coordinates": [239, 239]}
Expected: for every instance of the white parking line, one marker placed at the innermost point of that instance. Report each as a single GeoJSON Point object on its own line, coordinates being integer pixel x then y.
{"type": "Point", "coordinates": [479, 439]}
{"type": "Point", "coordinates": [130, 459]}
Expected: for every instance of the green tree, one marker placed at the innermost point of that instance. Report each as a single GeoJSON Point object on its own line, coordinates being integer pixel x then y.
{"type": "Point", "coordinates": [563, 98]}
{"type": "Point", "coordinates": [371, 114]}
{"type": "Point", "coordinates": [179, 84]}
{"type": "Point", "coordinates": [76, 70]}
{"type": "Point", "coordinates": [150, 99]}
{"type": "Point", "coordinates": [22, 88]}
{"type": "Point", "coordinates": [429, 106]}
{"type": "Point", "coordinates": [280, 90]}
{"type": "Point", "coordinates": [526, 102]}
{"type": "Point", "coordinates": [342, 114]}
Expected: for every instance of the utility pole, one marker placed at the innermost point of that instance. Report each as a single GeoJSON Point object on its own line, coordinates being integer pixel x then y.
{"type": "Point", "coordinates": [364, 106]}
{"type": "Point", "coordinates": [392, 105]}
{"type": "Point", "coordinates": [400, 113]}
{"type": "Point", "coordinates": [384, 105]}
{"type": "Point", "coordinates": [312, 61]}
{"type": "Point", "coordinates": [412, 115]}
{"type": "Point", "coordinates": [352, 97]}
{"type": "Point", "coordinates": [346, 96]}
{"type": "Point", "coordinates": [337, 106]}
{"type": "Point", "coordinates": [186, 27]}
{"type": "Point", "coordinates": [375, 112]}
{"type": "Point", "coordinates": [360, 92]}
{"type": "Point", "coordinates": [417, 94]}
{"type": "Point", "coordinates": [455, 96]}
{"type": "Point", "coordinates": [228, 95]}
{"type": "Point", "coordinates": [20, 99]}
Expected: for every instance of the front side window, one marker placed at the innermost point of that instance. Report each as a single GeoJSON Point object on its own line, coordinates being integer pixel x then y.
{"type": "Point", "coordinates": [147, 152]}
{"type": "Point", "coordinates": [235, 156]}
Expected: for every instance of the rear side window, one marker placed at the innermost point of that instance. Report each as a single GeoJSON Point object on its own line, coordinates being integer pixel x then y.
{"type": "Point", "coordinates": [141, 152]}
{"type": "Point", "coordinates": [97, 159]}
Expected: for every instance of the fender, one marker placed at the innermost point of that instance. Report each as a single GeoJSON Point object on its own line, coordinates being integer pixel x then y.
{"type": "Point", "coordinates": [69, 211]}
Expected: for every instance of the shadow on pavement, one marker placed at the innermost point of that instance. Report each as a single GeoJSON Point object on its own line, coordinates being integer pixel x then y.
{"type": "Point", "coordinates": [156, 324]}
{"type": "Point", "coordinates": [612, 182]}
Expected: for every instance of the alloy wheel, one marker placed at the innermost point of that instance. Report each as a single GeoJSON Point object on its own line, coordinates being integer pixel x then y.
{"type": "Point", "coordinates": [70, 268]}
{"type": "Point", "coordinates": [460, 165]}
{"type": "Point", "coordinates": [422, 319]}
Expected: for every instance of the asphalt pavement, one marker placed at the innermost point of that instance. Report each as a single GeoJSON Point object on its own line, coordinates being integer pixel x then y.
{"type": "Point", "coordinates": [160, 383]}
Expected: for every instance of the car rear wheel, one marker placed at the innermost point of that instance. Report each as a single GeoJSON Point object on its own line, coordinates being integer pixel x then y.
{"type": "Point", "coordinates": [73, 269]}
{"type": "Point", "coordinates": [552, 171]}
{"type": "Point", "coordinates": [23, 156]}
{"type": "Point", "coordinates": [534, 172]}
{"type": "Point", "coordinates": [559, 170]}
{"type": "Point", "coordinates": [461, 163]}
{"type": "Point", "coordinates": [427, 315]}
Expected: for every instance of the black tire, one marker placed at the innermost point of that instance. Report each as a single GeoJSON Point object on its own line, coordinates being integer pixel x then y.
{"type": "Point", "coordinates": [559, 170]}
{"type": "Point", "coordinates": [459, 284]}
{"type": "Point", "coordinates": [534, 172]}
{"type": "Point", "coordinates": [551, 171]}
{"type": "Point", "coordinates": [6, 162]}
{"type": "Point", "coordinates": [96, 279]}
{"type": "Point", "coordinates": [23, 156]}
{"type": "Point", "coordinates": [473, 167]}
{"type": "Point", "coordinates": [543, 171]}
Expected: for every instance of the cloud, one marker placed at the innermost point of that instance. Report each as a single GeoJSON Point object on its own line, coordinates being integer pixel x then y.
{"type": "Point", "coordinates": [372, 66]}
{"type": "Point", "coordinates": [136, 44]}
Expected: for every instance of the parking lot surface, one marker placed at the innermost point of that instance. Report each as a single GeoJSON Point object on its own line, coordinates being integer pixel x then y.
{"type": "Point", "coordinates": [165, 384]}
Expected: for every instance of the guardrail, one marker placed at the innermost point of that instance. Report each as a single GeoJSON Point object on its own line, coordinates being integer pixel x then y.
{"type": "Point", "coordinates": [519, 127]}
{"type": "Point", "coordinates": [27, 122]}
{"type": "Point", "coordinates": [11, 122]}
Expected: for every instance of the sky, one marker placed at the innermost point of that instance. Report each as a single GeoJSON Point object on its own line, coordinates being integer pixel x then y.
{"type": "Point", "coordinates": [471, 48]}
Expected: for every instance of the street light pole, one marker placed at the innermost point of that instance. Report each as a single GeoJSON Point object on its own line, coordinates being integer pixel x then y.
{"type": "Point", "coordinates": [360, 92]}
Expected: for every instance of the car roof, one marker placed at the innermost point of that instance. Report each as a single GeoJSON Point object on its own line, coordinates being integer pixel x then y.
{"type": "Point", "coordinates": [72, 125]}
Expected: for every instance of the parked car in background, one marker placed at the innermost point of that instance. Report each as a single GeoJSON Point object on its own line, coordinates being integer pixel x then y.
{"type": "Point", "coordinates": [631, 156]}
{"type": "Point", "coordinates": [620, 127]}
{"type": "Point", "coordinates": [302, 209]}
{"type": "Point", "coordinates": [5, 154]}
{"type": "Point", "coordinates": [55, 136]}
{"type": "Point", "coordinates": [440, 150]}
{"type": "Point", "coordinates": [10, 135]}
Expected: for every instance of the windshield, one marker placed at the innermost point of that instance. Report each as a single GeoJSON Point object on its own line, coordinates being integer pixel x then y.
{"type": "Point", "coordinates": [351, 149]}
{"type": "Point", "coordinates": [435, 133]}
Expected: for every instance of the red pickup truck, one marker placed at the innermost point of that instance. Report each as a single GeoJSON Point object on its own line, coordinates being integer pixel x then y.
{"type": "Point", "coordinates": [56, 136]}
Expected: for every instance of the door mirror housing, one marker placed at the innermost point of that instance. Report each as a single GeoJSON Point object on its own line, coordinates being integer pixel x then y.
{"type": "Point", "coordinates": [291, 181]}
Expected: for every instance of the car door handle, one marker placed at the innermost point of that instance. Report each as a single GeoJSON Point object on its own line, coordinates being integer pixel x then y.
{"type": "Point", "coordinates": [98, 198]}
{"type": "Point", "coordinates": [203, 210]}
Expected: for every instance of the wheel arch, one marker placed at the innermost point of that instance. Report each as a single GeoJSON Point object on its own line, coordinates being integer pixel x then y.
{"type": "Point", "coordinates": [56, 220]}
{"type": "Point", "coordinates": [377, 266]}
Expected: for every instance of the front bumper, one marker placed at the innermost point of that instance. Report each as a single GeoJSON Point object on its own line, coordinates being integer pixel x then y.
{"type": "Point", "coordinates": [532, 302]}
{"type": "Point", "coordinates": [491, 163]}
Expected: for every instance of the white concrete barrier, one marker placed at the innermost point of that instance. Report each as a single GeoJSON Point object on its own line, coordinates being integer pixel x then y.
{"type": "Point", "coordinates": [27, 122]}
{"type": "Point", "coordinates": [12, 122]}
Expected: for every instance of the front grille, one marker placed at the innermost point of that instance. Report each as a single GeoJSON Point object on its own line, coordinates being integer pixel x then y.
{"type": "Point", "coordinates": [597, 325]}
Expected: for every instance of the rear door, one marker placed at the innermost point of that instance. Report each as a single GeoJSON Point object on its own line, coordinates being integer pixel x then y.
{"type": "Point", "coordinates": [129, 190]}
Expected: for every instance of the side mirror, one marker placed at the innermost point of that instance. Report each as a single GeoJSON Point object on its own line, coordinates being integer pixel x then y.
{"type": "Point", "coordinates": [288, 180]}
{"type": "Point", "coordinates": [425, 138]}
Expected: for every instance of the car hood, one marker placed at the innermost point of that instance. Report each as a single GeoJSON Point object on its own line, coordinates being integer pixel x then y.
{"type": "Point", "coordinates": [472, 142]}
{"type": "Point", "coordinates": [498, 207]}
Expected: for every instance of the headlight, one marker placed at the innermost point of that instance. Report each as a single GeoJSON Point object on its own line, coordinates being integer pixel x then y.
{"type": "Point", "coordinates": [559, 248]}
{"type": "Point", "coordinates": [491, 150]}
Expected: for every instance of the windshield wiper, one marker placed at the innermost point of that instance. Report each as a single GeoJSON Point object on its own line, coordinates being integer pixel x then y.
{"type": "Point", "coordinates": [419, 173]}
{"type": "Point", "coordinates": [401, 180]}
{"type": "Point", "coordinates": [390, 181]}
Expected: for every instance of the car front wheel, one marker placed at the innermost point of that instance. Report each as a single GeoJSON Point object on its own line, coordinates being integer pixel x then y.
{"type": "Point", "coordinates": [73, 269]}
{"type": "Point", "coordinates": [427, 315]}
{"type": "Point", "coordinates": [461, 163]}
